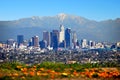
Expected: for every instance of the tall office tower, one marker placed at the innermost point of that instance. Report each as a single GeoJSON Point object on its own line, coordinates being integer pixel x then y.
{"type": "Point", "coordinates": [35, 41]}
{"type": "Point", "coordinates": [68, 37]}
{"type": "Point", "coordinates": [46, 37]}
{"type": "Point", "coordinates": [84, 43]}
{"type": "Point", "coordinates": [55, 39]}
{"type": "Point", "coordinates": [74, 40]}
{"type": "Point", "coordinates": [20, 39]}
{"type": "Point", "coordinates": [61, 34]}
{"type": "Point", "coordinates": [30, 42]}
{"type": "Point", "coordinates": [43, 44]}
{"type": "Point", "coordinates": [51, 39]}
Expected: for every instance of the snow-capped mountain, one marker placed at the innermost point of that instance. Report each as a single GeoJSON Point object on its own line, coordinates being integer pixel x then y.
{"type": "Point", "coordinates": [107, 30]}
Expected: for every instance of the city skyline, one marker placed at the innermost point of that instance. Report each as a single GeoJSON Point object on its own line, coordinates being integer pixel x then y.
{"type": "Point", "coordinates": [61, 32]}
{"type": "Point", "coordinates": [59, 39]}
{"type": "Point", "coordinates": [64, 38]}
{"type": "Point", "coordinates": [93, 20]}
{"type": "Point", "coordinates": [95, 10]}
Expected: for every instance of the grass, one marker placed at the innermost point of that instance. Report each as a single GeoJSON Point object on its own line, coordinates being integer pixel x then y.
{"type": "Point", "coordinates": [57, 71]}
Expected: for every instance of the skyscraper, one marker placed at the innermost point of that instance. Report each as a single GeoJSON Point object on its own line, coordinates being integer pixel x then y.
{"type": "Point", "coordinates": [74, 40]}
{"type": "Point", "coordinates": [30, 42]}
{"type": "Point", "coordinates": [68, 37]}
{"type": "Point", "coordinates": [55, 39]}
{"type": "Point", "coordinates": [43, 44]}
{"type": "Point", "coordinates": [51, 39]}
{"type": "Point", "coordinates": [46, 37]}
{"type": "Point", "coordinates": [84, 43]}
{"type": "Point", "coordinates": [20, 39]}
{"type": "Point", "coordinates": [61, 34]}
{"type": "Point", "coordinates": [35, 41]}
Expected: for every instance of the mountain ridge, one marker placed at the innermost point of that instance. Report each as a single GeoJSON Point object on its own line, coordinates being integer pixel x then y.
{"type": "Point", "coordinates": [106, 30]}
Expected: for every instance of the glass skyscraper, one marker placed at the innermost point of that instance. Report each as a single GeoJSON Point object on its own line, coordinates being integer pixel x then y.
{"type": "Point", "coordinates": [20, 39]}
{"type": "Point", "coordinates": [68, 37]}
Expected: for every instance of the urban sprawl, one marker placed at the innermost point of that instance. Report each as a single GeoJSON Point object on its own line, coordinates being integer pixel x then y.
{"type": "Point", "coordinates": [59, 46]}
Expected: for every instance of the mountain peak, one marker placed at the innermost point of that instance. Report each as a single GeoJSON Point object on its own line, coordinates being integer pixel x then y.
{"type": "Point", "coordinates": [85, 28]}
{"type": "Point", "coordinates": [34, 17]}
{"type": "Point", "coordinates": [62, 16]}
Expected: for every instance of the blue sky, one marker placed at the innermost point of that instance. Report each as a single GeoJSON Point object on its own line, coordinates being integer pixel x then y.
{"type": "Point", "coordinates": [91, 9]}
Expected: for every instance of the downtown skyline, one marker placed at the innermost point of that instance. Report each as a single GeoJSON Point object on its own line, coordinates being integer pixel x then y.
{"type": "Point", "coordinates": [107, 30]}
{"type": "Point", "coordinates": [93, 20]}
{"type": "Point", "coordinates": [64, 38]}
{"type": "Point", "coordinates": [59, 39]}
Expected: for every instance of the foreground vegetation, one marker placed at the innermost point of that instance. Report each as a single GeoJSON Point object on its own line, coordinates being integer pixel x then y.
{"type": "Point", "coordinates": [58, 71]}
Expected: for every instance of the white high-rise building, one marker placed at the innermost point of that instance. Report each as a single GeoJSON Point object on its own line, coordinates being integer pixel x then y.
{"type": "Point", "coordinates": [74, 39]}
{"type": "Point", "coordinates": [61, 34]}
{"type": "Point", "coordinates": [84, 43]}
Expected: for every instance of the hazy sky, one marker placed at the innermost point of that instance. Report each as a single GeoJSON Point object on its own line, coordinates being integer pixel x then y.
{"type": "Point", "coordinates": [91, 9]}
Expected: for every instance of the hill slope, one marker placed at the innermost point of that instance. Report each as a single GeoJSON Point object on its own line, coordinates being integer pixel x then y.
{"type": "Point", "coordinates": [107, 30]}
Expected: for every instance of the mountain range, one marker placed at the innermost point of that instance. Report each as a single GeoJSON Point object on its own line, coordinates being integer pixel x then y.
{"type": "Point", "coordinates": [107, 30]}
